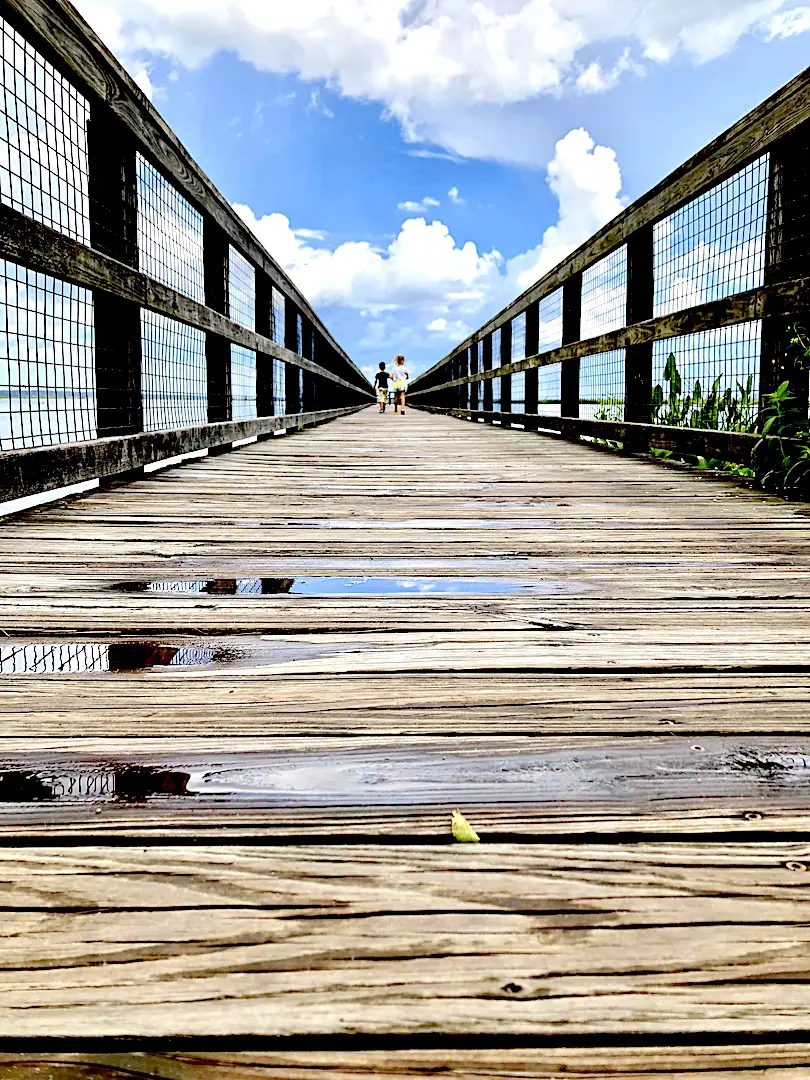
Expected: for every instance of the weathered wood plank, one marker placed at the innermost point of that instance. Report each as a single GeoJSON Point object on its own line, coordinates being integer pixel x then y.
{"type": "Point", "coordinates": [28, 472]}
{"type": "Point", "coordinates": [747, 1061]}
{"type": "Point", "coordinates": [557, 940]}
{"type": "Point", "coordinates": [330, 789]}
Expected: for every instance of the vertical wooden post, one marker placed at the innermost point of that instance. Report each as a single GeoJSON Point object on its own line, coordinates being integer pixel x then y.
{"type": "Point", "coordinates": [264, 326]}
{"type": "Point", "coordinates": [787, 255]}
{"type": "Point", "coordinates": [506, 358]}
{"type": "Point", "coordinates": [464, 371]}
{"type": "Point", "coordinates": [113, 198]}
{"type": "Point", "coordinates": [571, 332]}
{"type": "Point", "coordinates": [532, 347]}
{"type": "Point", "coordinates": [292, 378]}
{"type": "Point", "coordinates": [217, 349]}
{"type": "Point", "coordinates": [486, 360]}
{"type": "Point", "coordinates": [640, 306]}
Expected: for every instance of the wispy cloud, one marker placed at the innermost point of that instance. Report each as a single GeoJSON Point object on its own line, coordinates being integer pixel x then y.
{"type": "Point", "coordinates": [420, 207]}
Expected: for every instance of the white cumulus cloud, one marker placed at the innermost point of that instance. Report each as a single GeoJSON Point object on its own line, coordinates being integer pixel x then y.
{"type": "Point", "coordinates": [425, 272]}
{"type": "Point", "coordinates": [431, 64]}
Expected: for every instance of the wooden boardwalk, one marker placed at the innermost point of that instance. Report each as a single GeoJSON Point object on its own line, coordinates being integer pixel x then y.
{"type": "Point", "coordinates": [603, 661]}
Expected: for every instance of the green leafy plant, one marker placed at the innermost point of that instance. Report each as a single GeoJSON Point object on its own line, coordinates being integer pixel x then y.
{"type": "Point", "coordinates": [781, 457]}
{"type": "Point", "coordinates": [715, 410]}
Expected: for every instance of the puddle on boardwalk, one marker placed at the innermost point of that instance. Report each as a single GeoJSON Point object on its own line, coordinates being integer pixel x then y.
{"type": "Point", "coordinates": [61, 658]}
{"type": "Point", "coordinates": [353, 586]}
{"type": "Point", "coordinates": [654, 773]}
{"type": "Point", "coordinates": [96, 658]}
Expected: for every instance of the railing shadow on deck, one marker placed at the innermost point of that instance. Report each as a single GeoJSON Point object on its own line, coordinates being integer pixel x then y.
{"type": "Point", "coordinates": [143, 319]}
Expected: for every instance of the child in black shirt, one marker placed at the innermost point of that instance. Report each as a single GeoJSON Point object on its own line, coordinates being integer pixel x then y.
{"type": "Point", "coordinates": [381, 384]}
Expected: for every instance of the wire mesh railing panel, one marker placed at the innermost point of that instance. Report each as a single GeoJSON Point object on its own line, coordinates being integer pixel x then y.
{"type": "Point", "coordinates": [496, 362]}
{"type": "Point", "coordinates": [519, 337]}
{"type": "Point", "coordinates": [174, 381]}
{"type": "Point", "coordinates": [279, 388]}
{"type": "Point", "coordinates": [277, 315]}
{"type": "Point", "coordinates": [241, 289]}
{"type": "Point", "coordinates": [550, 315]}
{"type": "Point", "coordinates": [47, 360]}
{"type": "Point", "coordinates": [601, 386]}
{"type": "Point", "coordinates": [549, 390]}
{"type": "Point", "coordinates": [53, 659]}
{"type": "Point", "coordinates": [170, 234]}
{"type": "Point", "coordinates": [709, 379]}
{"type": "Point", "coordinates": [713, 246]}
{"type": "Point", "coordinates": [243, 383]}
{"type": "Point", "coordinates": [519, 392]}
{"type": "Point", "coordinates": [43, 140]}
{"type": "Point", "coordinates": [604, 294]}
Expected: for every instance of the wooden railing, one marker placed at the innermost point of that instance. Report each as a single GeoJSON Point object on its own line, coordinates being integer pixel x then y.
{"type": "Point", "coordinates": [705, 280]}
{"type": "Point", "coordinates": [144, 320]}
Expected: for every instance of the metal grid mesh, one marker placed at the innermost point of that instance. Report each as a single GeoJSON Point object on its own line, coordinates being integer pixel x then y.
{"type": "Point", "coordinates": [709, 379]}
{"type": "Point", "coordinates": [241, 289]}
{"type": "Point", "coordinates": [243, 383]}
{"type": "Point", "coordinates": [222, 587]}
{"type": "Point", "coordinates": [43, 140]}
{"type": "Point", "coordinates": [53, 659]}
{"type": "Point", "coordinates": [174, 380]}
{"type": "Point", "coordinates": [551, 321]}
{"type": "Point", "coordinates": [715, 245]}
{"type": "Point", "coordinates": [519, 392]}
{"type": "Point", "coordinates": [519, 337]}
{"type": "Point", "coordinates": [277, 316]}
{"type": "Point", "coordinates": [47, 361]}
{"type": "Point", "coordinates": [604, 294]}
{"type": "Point", "coordinates": [279, 388]}
{"type": "Point", "coordinates": [476, 366]}
{"type": "Point", "coordinates": [549, 390]}
{"type": "Point", "coordinates": [601, 386]}
{"type": "Point", "coordinates": [176, 586]}
{"type": "Point", "coordinates": [170, 234]}
{"type": "Point", "coordinates": [496, 362]}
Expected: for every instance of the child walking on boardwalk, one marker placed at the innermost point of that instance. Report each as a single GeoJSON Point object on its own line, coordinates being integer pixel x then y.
{"type": "Point", "coordinates": [401, 379]}
{"type": "Point", "coordinates": [381, 383]}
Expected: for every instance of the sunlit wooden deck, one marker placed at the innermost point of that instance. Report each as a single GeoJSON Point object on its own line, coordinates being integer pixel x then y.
{"type": "Point", "coordinates": [260, 846]}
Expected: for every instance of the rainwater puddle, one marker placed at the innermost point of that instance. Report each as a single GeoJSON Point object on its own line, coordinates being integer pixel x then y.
{"type": "Point", "coordinates": [84, 657]}
{"type": "Point", "coordinates": [352, 586]}
{"type": "Point", "coordinates": [655, 773]}
{"type": "Point", "coordinates": [96, 658]}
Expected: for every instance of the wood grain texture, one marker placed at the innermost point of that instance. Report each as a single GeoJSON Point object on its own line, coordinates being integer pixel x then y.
{"type": "Point", "coordinates": [557, 940]}
{"type": "Point", "coordinates": [30, 472]}
{"type": "Point", "coordinates": [648, 679]}
{"type": "Point", "coordinates": [721, 1062]}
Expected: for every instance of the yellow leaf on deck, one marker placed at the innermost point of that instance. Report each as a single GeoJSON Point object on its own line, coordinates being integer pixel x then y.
{"type": "Point", "coordinates": [463, 830]}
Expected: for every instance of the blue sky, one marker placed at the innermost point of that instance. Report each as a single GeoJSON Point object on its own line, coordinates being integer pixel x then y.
{"type": "Point", "coordinates": [322, 127]}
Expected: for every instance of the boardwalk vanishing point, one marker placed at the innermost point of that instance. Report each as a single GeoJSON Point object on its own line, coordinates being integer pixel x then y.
{"type": "Point", "coordinates": [247, 678]}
